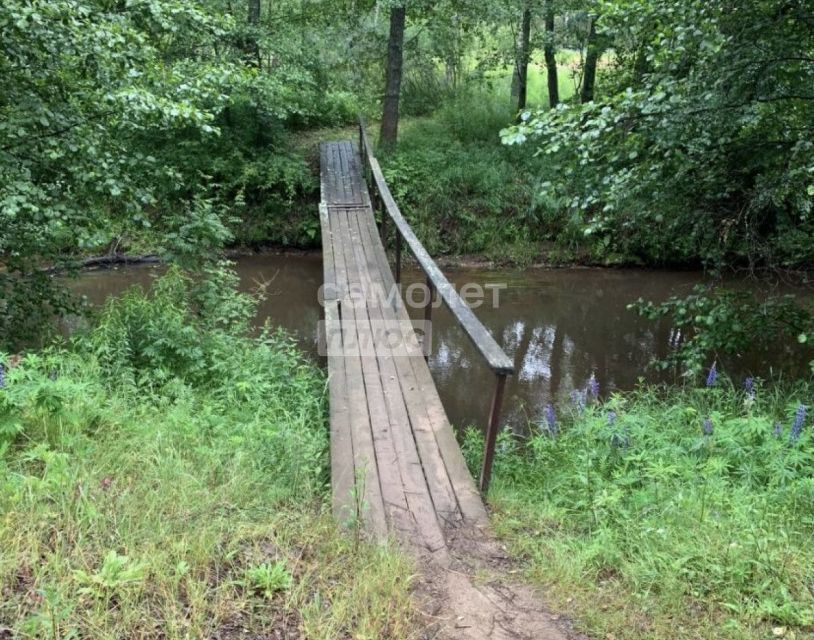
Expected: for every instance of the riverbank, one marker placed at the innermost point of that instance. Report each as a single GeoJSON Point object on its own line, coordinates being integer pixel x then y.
{"type": "Point", "coordinates": [667, 513]}
{"type": "Point", "coordinates": [164, 425]}
{"type": "Point", "coordinates": [166, 476]}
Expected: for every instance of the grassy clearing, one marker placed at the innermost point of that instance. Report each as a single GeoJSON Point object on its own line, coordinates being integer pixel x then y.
{"type": "Point", "coordinates": [499, 80]}
{"type": "Point", "coordinates": [164, 477]}
{"type": "Point", "coordinates": [646, 521]}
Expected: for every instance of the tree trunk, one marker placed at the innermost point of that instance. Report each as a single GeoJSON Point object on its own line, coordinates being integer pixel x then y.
{"type": "Point", "coordinates": [253, 18]}
{"type": "Point", "coordinates": [254, 12]}
{"type": "Point", "coordinates": [550, 58]}
{"type": "Point", "coordinates": [521, 63]}
{"type": "Point", "coordinates": [641, 66]}
{"type": "Point", "coordinates": [586, 94]}
{"type": "Point", "coordinates": [392, 90]}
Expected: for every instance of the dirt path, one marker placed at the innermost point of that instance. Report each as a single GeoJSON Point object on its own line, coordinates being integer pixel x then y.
{"type": "Point", "coordinates": [473, 596]}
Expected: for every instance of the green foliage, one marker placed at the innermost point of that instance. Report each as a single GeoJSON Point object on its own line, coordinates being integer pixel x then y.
{"type": "Point", "coordinates": [701, 132]}
{"type": "Point", "coordinates": [679, 530]}
{"type": "Point", "coordinates": [160, 474]}
{"type": "Point", "coordinates": [460, 190]}
{"type": "Point", "coordinates": [115, 575]}
{"type": "Point", "coordinates": [717, 321]}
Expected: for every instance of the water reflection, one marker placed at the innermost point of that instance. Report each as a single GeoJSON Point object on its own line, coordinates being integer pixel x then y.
{"type": "Point", "coordinates": [559, 327]}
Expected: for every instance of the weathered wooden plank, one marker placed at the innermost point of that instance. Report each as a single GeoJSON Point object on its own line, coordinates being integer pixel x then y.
{"type": "Point", "coordinates": [347, 171]}
{"type": "Point", "coordinates": [435, 473]}
{"type": "Point", "coordinates": [392, 487]}
{"type": "Point", "coordinates": [469, 500]}
{"type": "Point", "coordinates": [416, 490]}
{"type": "Point", "coordinates": [365, 468]}
{"type": "Point", "coordinates": [342, 459]}
{"type": "Point", "coordinates": [366, 471]}
{"type": "Point", "coordinates": [426, 527]}
{"type": "Point", "coordinates": [388, 426]}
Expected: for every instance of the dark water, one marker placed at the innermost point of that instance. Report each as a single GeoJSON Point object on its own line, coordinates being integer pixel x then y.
{"type": "Point", "coordinates": [559, 326]}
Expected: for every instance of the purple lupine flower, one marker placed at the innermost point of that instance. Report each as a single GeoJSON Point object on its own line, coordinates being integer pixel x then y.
{"type": "Point", "coordinates": [611, 417]}
{"type": "Point", "coordinates": [712, 377]}
{"type": "Point", "coordinates": [749, 386]}
{"type": "Point", "coordinates": [551, 419]}
{"type": "Point", "coordinates": [2, 376]}
{"type": "Point", "coordinates": [707, 427]}
{"type": "Point", "coordinates": [593, 386]}
{"type": "Point", "coordinates": [778, 430]}
{"type": "Point", "coordinates": [799, 420]}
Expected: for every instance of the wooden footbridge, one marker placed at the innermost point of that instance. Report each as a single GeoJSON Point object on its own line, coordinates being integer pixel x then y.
{"type": "Point", "coordinates": [395, 463]}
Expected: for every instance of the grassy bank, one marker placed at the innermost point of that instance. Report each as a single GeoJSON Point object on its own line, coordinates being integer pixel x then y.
{"type": "Point", "coordinates": [164, 476]}
{"type": "Point", "coordinates": [463, 192]}
{"type": "Point", "coordinates": [668, 514]}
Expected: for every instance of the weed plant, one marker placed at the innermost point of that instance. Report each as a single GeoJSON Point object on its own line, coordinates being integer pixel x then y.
{"type": "Point", "coordinates": [668, 513]}
{"type": "Point", "coordinates": [163, 476]}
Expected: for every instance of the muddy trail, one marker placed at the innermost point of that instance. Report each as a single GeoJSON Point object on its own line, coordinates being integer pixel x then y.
{"type": "Point", "coordinates": [476, 594]}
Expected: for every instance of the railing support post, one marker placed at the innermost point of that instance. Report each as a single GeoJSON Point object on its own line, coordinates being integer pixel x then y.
{"type": "Point", "coordinates": [428, 318]}
{"type": "Point", "coordinates": [398, 258]}
{"type": "Point", "coordinates": [383, 227]}
{"type": "Point", "coordinates": [491, 434]}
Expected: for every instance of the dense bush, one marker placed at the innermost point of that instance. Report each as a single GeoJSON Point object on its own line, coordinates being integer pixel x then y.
{"type": "Point", "coordinates": [713, 322]}
{"type": "Point", "coordinates": [701, 131]}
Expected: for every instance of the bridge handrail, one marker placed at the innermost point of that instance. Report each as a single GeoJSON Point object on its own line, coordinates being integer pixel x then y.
{"type": "Point", "coordinates": [485, 343]}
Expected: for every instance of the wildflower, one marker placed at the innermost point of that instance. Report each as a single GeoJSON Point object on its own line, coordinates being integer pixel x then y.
{"type": "Point", "coordinates": [611, 417]}
{"type": "Point", "coordinates": [712, 377]}
{"type": "Point", "coordinates": [797, 426]}
{"type": "Point", "coordinates": [593, 386]}
{"type": "Point", "coordinates": [551, 419]}
{"type": "Point", "coordinates": [707, 427]}
{"type": "Point", "coordinates": [749, 385]}
{"type": "Point", "coordinates": [778, 430]}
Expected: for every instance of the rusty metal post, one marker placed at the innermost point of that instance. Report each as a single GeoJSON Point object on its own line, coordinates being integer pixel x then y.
{"type": "Point", "coordinates": [428, 317]}
{"type": "Point", "coordinates": [430, 300]}
{"type": "Point", "coordinates": [383, 225]}
{"type": "Point", "coordinates": [491, 434]}
{"type": "Point", "coordinates": [398, 258]}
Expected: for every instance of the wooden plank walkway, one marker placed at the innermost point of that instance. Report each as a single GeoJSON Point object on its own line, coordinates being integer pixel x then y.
{"type": "Point", "coordinates": [395, 462]}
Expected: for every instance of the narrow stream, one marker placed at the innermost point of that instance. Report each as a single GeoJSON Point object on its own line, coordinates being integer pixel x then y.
{"type": "Point", "coordinates": [559, 326]}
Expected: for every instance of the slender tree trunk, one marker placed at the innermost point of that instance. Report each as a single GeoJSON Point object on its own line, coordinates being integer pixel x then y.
{"type": "Point", "coordinates": [550, 58]}
{"type": "Point", "coordinates": [253, 18]}
{"type": "Point", "coordinates": [586, 94]}
{"type": "Point", "coordinates": [640, 65]}
{"type": "Point", "coordinates": [392, 89]}
{"type": "Point", "coordinates": [521, 63]}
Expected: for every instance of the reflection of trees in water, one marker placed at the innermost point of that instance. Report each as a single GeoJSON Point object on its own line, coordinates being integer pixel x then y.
{"type": "Point", "coordinates": [557, 337]}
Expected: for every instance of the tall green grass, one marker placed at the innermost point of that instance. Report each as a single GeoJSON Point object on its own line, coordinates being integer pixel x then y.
{"type": "Point", "coordinates": [668, 513]}
{"type": "Point", "coordinates": [462, 190]}
{"type": "Point", "coordinates": [164, 476]}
